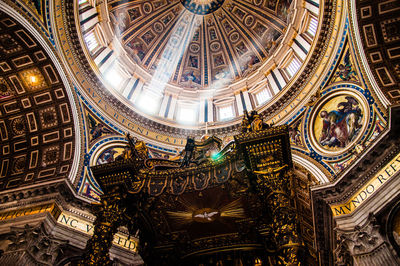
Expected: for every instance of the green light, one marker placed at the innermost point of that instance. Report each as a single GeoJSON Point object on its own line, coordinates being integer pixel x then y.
{"type": "Point", "coordinates": [215, 156]}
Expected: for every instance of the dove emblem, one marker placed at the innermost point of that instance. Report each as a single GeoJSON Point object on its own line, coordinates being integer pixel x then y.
{"type": "Point", "coordinates": [205, 215]}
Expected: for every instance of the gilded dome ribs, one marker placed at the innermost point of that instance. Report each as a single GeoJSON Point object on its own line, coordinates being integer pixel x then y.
{"type": "Point", "coordinates": [228, 48]}
{"type": "Point", "coordinates": [201, 53]}
{"type": "Point", "coordinates": [180, 66]}
{"type": "Point", "coordinates": [250, 36]}
{"type": "Point", "coordinates": [126, 3]}
{"type": "Point", "coordinates": [273, 20]}
{"type": "Point", "coordinates": [162, 42]}
{"type": "Point", "coordinates": [204, 50]}
{"type": "Point", "coordinates": [134, 31]}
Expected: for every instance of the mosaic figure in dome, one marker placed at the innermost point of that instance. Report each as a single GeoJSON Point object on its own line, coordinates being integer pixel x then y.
{"type": "Point", "coordinates": [134, 13]}
{"type": "Point", "coordinates": [97, 129]}
{"type": "Point", "coordinates": [227, 26]}
{"type": "Point", "coordinates": [345, 71]}
{"type": "Point", "coordinates": [271, 40]}
{"type": "Point", "coordinates": [89, 191]}
{"type": "Point", "coordinates": [213, 35]}
{"type": "Point", "coordinates": [190, 76]}
{"type": "Point", "coordinates": [218, 60]}
{"type": "Point", "coordinates": [271, 4]}
{"type": "Point", "coordinates": [249, 64]}
{"type": "Point", "coordinates": [295, 133]}
{"type": "Point", "coordinates": [241, 48]}
{"type": "Point", "coordinates": [193, 61]}
{"type": "Point", "coordinates": [137, 49]}
{"type": "Point", "coordinates": [283, 9]}
{"type": "Point", "coordinates": [340, 126]}
{"type": "Point", "coordinates": [109, 155]}
{"type": "Point", "coordinates": [196, 36]}
{"type": "Point", "coordinates": [222, 76]}
{"type": "Point", "coordinates": [259, 29]}
{"type": "Point", "coordinates": [121, 21]}
{"type": "Point", "coordinates": [148, 37]}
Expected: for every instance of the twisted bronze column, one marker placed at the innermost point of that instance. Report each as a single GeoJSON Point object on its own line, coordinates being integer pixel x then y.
{"type": "Point", "coordinates": [110, 215]}
{"type": "Point", "coordinates": [275, 186]}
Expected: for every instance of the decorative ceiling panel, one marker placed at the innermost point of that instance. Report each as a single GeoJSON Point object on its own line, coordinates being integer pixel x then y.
{"type": "Point", "coordinates": [36, 122]}
{"type": "Point", "coordinates": [379, 26]}
{"type": "Point", "coordinates": [221, 47]}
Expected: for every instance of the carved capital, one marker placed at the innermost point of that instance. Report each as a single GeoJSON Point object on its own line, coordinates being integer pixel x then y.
{"type": "Point", "coordinates": [364, 246]}
{"type": "Point", "coordinates": [363, 239]}
{"type": "Point", "coordinates": [43, 248]}
{"type": "Point", "coordinates": [341, 252]}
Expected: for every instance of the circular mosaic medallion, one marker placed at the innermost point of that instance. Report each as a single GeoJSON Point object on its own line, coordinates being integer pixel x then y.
{"type": "Point", "coordinates": [158, 27]}
{"type": "Point", "coordinates": [194, 48]}
{"type": "Point", "coordinates": [202, 7]}
{"type": "Point", "coordinates": [234, 37]}
{"type": "Point", "coordinates": [215, 46]}
{"type": "Point", "coordinates": [147, 8]}
{"type": "Point", "coordinates": [249, 20]}
{"type": "Point", "coordinates": [338, 122]}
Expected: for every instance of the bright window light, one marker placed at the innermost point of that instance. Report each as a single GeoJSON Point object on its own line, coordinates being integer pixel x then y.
{"type": "Point", "coordinates": [82, 1]}
{"type": "Point", "coordinates": [262, 96]}
{"type": "Point", "coordinates": [186, 115]}
{"type": "Point", "coordinates": [113, 77]}
{"type": "Point", "coordinates": [225, 112]}
{"type": "Point", "coordinates": [293, 66]}
{"type": "Point", "coordinates": [91, 41]}
{"type": "Point", "coordinates": [148, 103]}
{"type": "Point", "coordinates": [312, 26]}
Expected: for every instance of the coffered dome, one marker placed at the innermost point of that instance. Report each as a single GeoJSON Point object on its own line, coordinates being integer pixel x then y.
{"type": "Point", "coordinates": [189, 62]}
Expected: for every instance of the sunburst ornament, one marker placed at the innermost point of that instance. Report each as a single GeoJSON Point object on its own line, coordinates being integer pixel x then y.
{"type": "Point", "coordinates": [233, 209]}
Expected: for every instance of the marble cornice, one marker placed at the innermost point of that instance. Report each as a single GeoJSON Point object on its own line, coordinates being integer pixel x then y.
{"type": "Point", "coordinates": [58, 192]}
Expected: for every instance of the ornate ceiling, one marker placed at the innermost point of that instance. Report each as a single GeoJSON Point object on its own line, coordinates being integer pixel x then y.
{"type": "Point", "coordinates": [36, 120]}
{"type": "Point", "coordinates": [211, 50]}
{"type": "Point", "coordinates": [110, 79]}
{"type": "Point", "coordinates": [379, 26]}
{"type": "Point", "coordinates": [186, 63]}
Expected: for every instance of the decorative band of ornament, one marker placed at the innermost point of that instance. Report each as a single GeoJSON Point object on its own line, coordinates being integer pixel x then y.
{"type": "Point", "coordinates": [386, 173]}
{"type": "Point", "coordinates": [180, 182]}
{"type": "Point", "coordinates": [120, 240]}
{"type": "Point", "coordinates": [51, 208]}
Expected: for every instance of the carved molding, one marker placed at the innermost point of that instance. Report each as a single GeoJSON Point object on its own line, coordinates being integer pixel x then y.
{"type": "Point", "coordinates": [365, 244]}
{"type": "Point", "coordinates": [363, 239]}
{"type": "Point", "coordinates": [32, 242]}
